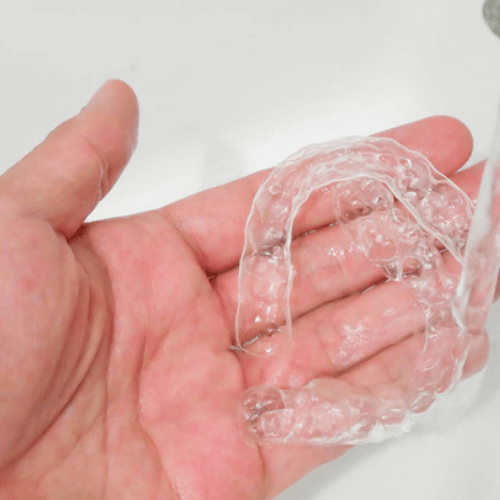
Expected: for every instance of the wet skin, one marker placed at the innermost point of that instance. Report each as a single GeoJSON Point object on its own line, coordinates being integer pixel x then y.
{"type": "Point", "coordinates": [117, 375]}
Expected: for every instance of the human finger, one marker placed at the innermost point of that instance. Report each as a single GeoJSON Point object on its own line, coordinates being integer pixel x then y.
{"type": "Point", "coordinates": [339, 334]}
{"type": "Point", "coordinates": [356, 341]}
{"type": "Point", "coordinates": [327, 267]}
{"type": "Point", "coordinates": [355, 407]}
{"type": "Point", "coordinates": [336, 336]}
{"type": "Point", "coordinates": [213, 221]}
{"type": "Point", "coordinates": [286, 456]}
{"type": "Point", "coordinates": [64, 178]}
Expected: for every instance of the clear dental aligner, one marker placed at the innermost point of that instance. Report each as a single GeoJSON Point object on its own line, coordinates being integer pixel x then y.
{"type": "Point", "coordinates": [399, 211]}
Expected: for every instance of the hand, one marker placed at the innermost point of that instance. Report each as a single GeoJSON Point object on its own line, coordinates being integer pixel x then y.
{"type": "Point", "coordinates": [117, 375]}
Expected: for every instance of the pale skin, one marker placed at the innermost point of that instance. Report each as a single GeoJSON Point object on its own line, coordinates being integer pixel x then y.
{"type": "Point", "coordinates": [117, 377]}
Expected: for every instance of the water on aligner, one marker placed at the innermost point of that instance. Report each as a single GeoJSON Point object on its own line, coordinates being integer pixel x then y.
{"type": "Point", "coordinates": [476, 288]}
{"type": "Point", "coordinates": [404, 240]}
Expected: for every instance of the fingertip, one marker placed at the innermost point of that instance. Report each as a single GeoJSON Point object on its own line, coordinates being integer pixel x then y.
{"type": "Point", "coordinates": [113, 87]}
{"type": "Point", "coordinates": [127, 99]}
{"type": "Point", "coordinates": [477, 357]}
{"type": "Point", "coordinates": [456, 132]}
{"type": "Point", "coordinates": [444, 140]}
{"type": "Point", "coordinates": [114, 94]}
{"type": "Point", "coordinates": [469, 179]}
{"type": "Point", "coordinates": [110, 121]}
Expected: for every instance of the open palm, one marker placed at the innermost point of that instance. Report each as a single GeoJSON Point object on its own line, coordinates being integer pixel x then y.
{"type": "Point", "coordinates": [117, 373]}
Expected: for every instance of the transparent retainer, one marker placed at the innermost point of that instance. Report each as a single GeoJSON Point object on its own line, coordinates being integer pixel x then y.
{"type": "Point", "coordinates": [401, 213]}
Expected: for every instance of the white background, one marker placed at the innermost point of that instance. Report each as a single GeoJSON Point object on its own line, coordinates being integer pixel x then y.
{"type": "Point", "coordinates": [229, 87]}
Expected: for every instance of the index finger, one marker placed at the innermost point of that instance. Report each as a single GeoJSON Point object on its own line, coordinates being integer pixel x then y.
{"type": "Point", "coordinates": [213, 221]}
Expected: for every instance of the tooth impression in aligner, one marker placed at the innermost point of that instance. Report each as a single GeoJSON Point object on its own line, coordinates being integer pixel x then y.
{"type": "Point", "coordinates": [399, 211]}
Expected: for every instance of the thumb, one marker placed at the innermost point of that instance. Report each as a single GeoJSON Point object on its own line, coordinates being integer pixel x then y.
{"type": "Point", "coordinates": [64, 178]}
